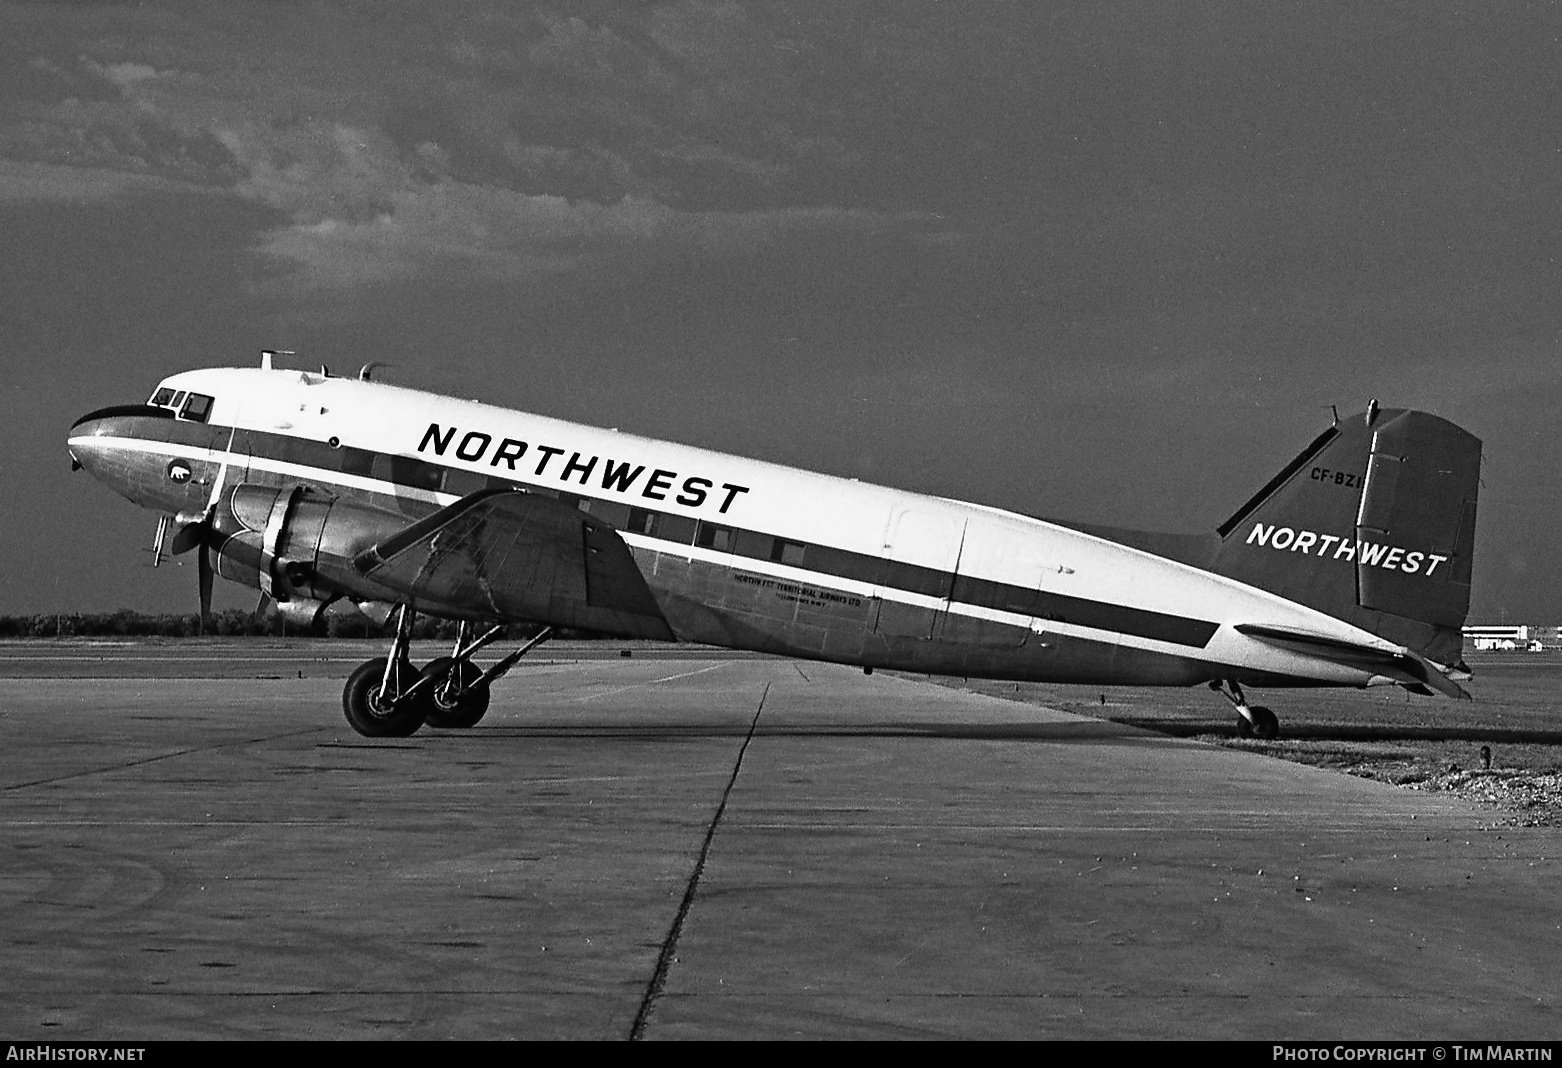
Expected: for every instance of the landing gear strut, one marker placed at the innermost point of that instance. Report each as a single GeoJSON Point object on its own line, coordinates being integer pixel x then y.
{"type": "Point", "coordinates": [378, 698]}
{"type": "Point", "coordinates": [389, 698]}
{"type": "Point", "coordinates": [1253, 721]}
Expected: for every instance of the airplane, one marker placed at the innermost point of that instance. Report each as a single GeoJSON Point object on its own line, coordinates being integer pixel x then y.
{"type": "Point", "coordinates": [1351, 567]}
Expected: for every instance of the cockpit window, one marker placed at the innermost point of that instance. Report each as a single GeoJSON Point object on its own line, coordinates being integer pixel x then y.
{"type": "Point", "coordinates": [196, 408]}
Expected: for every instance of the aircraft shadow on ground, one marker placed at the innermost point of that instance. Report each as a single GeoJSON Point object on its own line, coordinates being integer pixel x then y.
{"type": "Point", "coordinates": [1097, 731]}
{"type": "Point", "coordinates": [1356, 733]}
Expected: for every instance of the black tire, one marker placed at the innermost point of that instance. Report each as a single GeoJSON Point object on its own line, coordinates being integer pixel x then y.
{"type": "Point", "coordinates": [1266, 724]}
{"type": "Point", "coordinates": [374, 719]}
{"type": "Point", "coordinates": [1244, 728]}
{"type": "Point", "coordinates": [470, 705]}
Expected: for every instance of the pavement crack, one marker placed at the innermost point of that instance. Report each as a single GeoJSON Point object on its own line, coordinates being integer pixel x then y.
{"type": "Point", "coordinates": [106, 769]}
{"type": "Point", "coordinates": [664, 960]}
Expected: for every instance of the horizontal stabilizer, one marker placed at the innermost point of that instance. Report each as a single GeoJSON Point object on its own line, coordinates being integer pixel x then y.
{"type": "Point", "coordinates": [521, 556]}
{"type": "Point", "coordinates": [1404, 667]}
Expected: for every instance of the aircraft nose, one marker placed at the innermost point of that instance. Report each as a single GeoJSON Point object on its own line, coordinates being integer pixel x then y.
{"type": "Point", "coordinates": [96, 434]}
{"type": "Point", "coordinates": [122, 447]}
{"type": "Point", "coordinates": [84, 442]}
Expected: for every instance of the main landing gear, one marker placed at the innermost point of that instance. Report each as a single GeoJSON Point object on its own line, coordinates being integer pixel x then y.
{"type": "Point", "coordinates": [1253, 721]}
{"type": "Point", "coordinates": [389, 698]}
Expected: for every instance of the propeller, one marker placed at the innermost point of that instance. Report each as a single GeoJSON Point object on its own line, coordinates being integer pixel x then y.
{"type": "Point", "coordinates": [197, 534]}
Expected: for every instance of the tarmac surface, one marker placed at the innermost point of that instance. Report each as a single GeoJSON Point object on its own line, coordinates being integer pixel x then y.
{"type": "Point", "coordinates": [678, 845]}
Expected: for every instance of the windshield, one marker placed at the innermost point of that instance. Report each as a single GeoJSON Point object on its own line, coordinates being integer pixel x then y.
{"type": "Point", "coordinates": [196, 407]}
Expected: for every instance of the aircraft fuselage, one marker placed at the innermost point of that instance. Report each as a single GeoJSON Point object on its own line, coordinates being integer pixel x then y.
{"type": "Point", "coordinates": [735, 552]}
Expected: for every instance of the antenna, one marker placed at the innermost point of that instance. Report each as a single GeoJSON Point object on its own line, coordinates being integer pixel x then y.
{"type": "Point", "coordinates": [267, 355]}
{"type": "Point", "coordinates": [367, 370]}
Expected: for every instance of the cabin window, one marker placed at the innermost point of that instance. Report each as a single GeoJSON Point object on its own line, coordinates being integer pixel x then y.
{"type": "Point", "coordinates": [406, 471]}
{"type": "Point", "coordinates": [196, 408]}
{"type": "Point", "coordinates": [787, 552]}
{"type": "Point", "coordinates": [676, 528]}
{"type": "Point", "coordinates": [639, 521]}
{"type": "Point", "coordinates": [752, 543]}
{"type": "Point", "coordinates": [711, 536]}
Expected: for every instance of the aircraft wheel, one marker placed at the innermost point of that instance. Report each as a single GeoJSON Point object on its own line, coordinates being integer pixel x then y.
{"type": "Point", "coordinates": [1244, 728]}
{"type": "Point", "coordinates": [373, 717]}
{"type": "Point", "coordinates": [471, 701]}
{"type": "Point", "coordinates": [1266, 724]}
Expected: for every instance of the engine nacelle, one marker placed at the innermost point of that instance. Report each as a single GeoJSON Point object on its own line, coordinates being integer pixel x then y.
{"type": "Point", "coordinates": [297, 543]}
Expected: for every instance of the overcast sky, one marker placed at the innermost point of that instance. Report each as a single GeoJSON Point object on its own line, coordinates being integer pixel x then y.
{"type": "Point", "coordinates": [1097, 261]}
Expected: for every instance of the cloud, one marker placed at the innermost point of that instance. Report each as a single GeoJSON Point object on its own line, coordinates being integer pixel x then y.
{"type": "Point", "coordinates": [505, 234]}
{"type": "Point", "coordinates": [124, 75]}
{"type": "Point", "coordinates": [511, 141]}
{"type": "Point", "coordinates": [23, 182]}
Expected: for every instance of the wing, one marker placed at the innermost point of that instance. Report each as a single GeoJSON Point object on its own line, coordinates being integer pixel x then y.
{"type": "Point", "coordinates": [516, 556]}
{"type": "Point", "coordinates": [1412, 671]}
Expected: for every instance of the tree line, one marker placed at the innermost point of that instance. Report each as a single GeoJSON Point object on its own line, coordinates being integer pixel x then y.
{"type": "Point", "coordinates": [229, 623]}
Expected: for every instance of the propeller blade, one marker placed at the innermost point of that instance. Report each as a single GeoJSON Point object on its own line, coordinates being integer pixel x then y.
{"type": "Point", "coordinates": [201, 533]}
{"type": "Point", "coordinates": [205, 567]}
{"type": "Point", "coordinates": [187, 537]}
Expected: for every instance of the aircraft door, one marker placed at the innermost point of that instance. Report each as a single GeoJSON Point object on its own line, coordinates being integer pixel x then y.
{"type": "Point", "coordinates": [1002, 571]}
{"type": "Point", "coordinates": [922, 551]}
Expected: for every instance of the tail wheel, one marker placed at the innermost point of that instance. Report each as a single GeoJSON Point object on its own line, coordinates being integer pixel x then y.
{"type": "Point", "coordinates": [368, 709]}
{"type": "Point", "coordinates": [458, 700]}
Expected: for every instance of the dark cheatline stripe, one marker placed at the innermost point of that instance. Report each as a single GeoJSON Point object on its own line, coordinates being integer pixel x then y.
{"type": "Point", "coordinates": [1100, 615]}
{"type": "Point", "coordinates": [737, 541]}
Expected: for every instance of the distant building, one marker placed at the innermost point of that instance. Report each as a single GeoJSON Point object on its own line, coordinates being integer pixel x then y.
{"type": "Point", "coordinates": [1547, 637]}
{"type": "Point", "coordinates": [1507, 638]}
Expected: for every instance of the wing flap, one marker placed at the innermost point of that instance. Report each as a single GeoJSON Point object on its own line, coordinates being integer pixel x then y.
{"type": "Point", "coordinates": [512, 555]}
{"type": "Point", "coordinates": [1404, 667]}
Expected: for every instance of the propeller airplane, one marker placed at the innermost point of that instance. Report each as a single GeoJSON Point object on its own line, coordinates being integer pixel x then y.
{"type": "Point", "coordinates": [1351, 567]}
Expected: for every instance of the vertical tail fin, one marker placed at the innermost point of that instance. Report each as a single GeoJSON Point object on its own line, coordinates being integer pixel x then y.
{"type": "Point", "coordinates": [1374, 523]}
